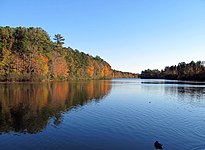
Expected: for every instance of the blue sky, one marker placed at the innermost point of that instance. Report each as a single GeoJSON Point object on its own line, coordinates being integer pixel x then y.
{"type": "Point", "coordinates": [131, 35]}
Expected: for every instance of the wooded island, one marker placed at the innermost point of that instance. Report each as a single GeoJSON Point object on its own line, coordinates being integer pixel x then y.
{"type": "Point", "coordinates": [28, 54]}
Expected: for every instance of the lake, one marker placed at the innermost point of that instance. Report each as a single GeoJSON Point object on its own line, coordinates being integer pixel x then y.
{"type": "Point", "coordinates": [118, 114]}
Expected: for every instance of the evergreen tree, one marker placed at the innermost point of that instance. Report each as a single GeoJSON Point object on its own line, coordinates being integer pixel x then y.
{"type": "Point", "coordinates": [59, 39]}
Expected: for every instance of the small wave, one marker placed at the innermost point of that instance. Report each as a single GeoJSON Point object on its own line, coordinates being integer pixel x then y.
{"type": "Point", "coordinates": [199, 148]}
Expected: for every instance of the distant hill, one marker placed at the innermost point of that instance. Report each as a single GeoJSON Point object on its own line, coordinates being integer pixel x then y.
{"type": "Point", "coordinates": [28, 54]}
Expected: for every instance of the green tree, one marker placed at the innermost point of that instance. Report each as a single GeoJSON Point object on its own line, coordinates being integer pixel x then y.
{"type": "Point", "coordinates": [59, 39]}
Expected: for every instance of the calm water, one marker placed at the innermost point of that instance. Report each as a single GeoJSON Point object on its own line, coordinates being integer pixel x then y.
{"type": "Point", "coordinates": [126, 114]}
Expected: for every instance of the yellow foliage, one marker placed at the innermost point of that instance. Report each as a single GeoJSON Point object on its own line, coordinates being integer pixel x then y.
{"type": "Point", "coordinates": [39, 64]}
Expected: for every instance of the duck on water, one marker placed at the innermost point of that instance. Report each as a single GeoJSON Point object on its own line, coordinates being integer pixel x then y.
{"type": "Point", "coordinates": [157, 145]}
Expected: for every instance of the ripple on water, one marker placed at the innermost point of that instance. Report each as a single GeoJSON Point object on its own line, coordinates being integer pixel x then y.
{"type": "Point", "coordinates": [202, 147]}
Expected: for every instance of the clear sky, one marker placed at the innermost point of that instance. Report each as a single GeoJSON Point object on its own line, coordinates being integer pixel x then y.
{"type": "Point", "coordinates": [131, 35]}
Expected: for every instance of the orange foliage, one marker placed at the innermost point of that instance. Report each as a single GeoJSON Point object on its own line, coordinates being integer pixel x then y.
{"type": "Point", "coordinates": [107, 70]}
{"type": "Point", "coordinates": [59, 66]}
{"type": "Point", "coordinates": [39, 64]}
{"type": "Point", "coordinates": [90, 70]}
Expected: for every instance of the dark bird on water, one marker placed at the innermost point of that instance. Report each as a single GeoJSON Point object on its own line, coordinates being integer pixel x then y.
{"type": "Point", "coordinates": [157, 145]}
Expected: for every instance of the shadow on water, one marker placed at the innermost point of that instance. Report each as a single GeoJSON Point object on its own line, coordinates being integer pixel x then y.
{"type": "Point", "coordinates": [28, 107]}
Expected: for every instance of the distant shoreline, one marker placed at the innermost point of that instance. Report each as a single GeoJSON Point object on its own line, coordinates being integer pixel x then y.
{"type": "Point", "coordinates": [193, 71]}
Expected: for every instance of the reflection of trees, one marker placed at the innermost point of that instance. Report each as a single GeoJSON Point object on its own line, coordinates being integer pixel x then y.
{"type": "Point", "coordinates": [188, 94]}
{"type": "Point", "coordinates": [27, 107]}
{"type": "Point", "coordinates": [193, 92]}
{"type": "Point", "coordinates": [186, 91]}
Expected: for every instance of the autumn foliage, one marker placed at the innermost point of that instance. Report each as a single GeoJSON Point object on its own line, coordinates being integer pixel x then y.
{"type": "Point", "coordinates": [28, 54]}
{"type": "Point", "coordinates": [58, 67]}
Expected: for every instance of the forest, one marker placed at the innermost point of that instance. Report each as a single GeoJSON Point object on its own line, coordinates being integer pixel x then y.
{"type": "Point", "coordinates": [182, 71]}
{"type": "Point", "coordinates": [29, 54]}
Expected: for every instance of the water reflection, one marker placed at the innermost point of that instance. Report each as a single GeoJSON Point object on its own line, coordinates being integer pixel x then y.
{"type": "Point", "coordinates": [187, 92]}
{"type": "Point", "coordinates": [191, 92]}
{"type": "Point", "coordinates": [28, 107]}
{"type": "Point", "coordinates": [162, 81]}
{"type": "Point", "coordinates": [194, 96]}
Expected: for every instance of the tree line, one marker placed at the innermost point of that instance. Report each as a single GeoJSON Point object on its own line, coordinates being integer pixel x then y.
{"type": "Point", "coordinates": [29, 54]}
{"type": "Point", "coordinates": [121, 74]}
{"type": "Point", "coordinates": [182, 71]}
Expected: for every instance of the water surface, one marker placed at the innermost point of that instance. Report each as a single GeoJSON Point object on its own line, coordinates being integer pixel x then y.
{"type": "Point", "coordinates": [113, 114]}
